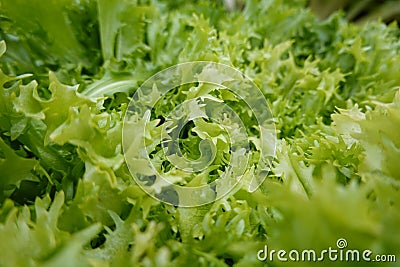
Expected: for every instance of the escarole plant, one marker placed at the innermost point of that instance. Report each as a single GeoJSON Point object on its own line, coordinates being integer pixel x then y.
{"type": "Point", "coordinates": [68, 71]}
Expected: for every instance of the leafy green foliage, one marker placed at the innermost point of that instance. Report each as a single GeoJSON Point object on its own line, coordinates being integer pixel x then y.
{"type": "Point", "coordinates": [66, 76]}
